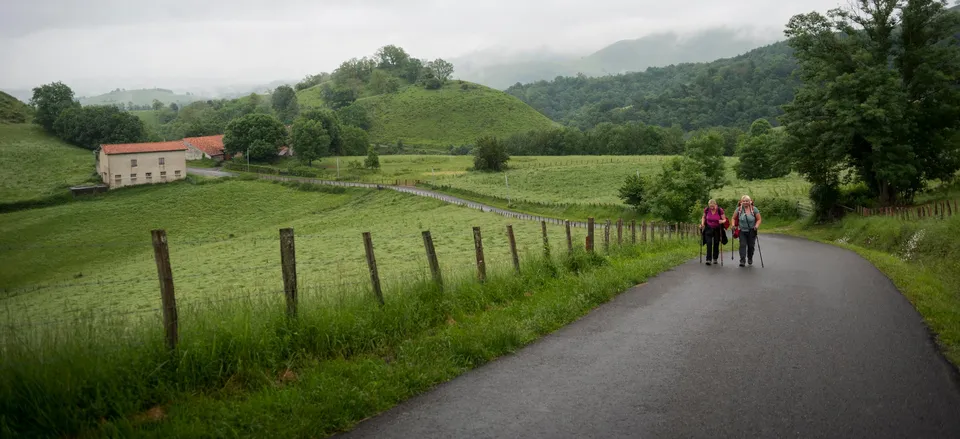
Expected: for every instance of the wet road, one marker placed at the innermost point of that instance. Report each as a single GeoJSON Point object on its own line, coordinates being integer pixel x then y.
{"type": "Point", "coordinates": [817, 344]}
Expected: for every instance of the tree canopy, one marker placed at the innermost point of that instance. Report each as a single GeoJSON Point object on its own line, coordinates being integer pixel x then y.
{"type": "Point", "coordinates": [284, 103]}
{"type": "Point", "coordinates": [879, 96]}
{"type": "Point", "coordinates": [50, 100]}
{"type": "Point", "coordinates": [263, 134]}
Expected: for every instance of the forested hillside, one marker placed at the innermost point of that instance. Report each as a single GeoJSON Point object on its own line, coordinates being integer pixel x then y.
{"type": "Point", "coordinates": [727, 92]}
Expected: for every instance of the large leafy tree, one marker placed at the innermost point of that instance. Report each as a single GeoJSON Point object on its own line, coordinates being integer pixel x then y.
{"type": "Point", "coordinates": [680, 184]}
{"type": "Point", "coordinates": [262, 134]}
{"type": "Point", "coordinates": [490, 154]}
{"type": "Point", "coordinates": [634, 193]}
{"type": "Point", "coordinates": [92, 126]}
{"type": "Point", "coordinates": [284, 102]}
{"type": "Point", "coordinates": [707, 150]}
{"type": "Point", "coordinates": [309, 140]}
{"type": "Point", "coordinates": [50, 100]}
{"type": "Point", "coordinates": [355, 140]}
{"type": "Point", "coordinates": [331, 124]}
{"type": "Point", "coordinates": [879, 95]}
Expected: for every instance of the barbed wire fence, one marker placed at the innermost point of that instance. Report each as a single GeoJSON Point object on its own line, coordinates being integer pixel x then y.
{"type": "Point", "coordinates": [288, 288]}
{"type": "Point", "coordinates": [936, 210]}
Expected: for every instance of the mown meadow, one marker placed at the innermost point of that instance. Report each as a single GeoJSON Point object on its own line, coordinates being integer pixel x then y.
{"type": "Point", "coordinates": [83, 347]}
{"type": "Point", "coordinates": [35, 166]}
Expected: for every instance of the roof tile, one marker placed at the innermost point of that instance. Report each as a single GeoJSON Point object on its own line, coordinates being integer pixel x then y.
{"type": "Point", "coordinates": [211, 145]}
{"type": "Point", "coordinates": [133, 148]}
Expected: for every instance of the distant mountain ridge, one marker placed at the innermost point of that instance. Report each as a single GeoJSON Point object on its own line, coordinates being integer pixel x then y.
{"type": "Point", "coordinates": [636, 55]}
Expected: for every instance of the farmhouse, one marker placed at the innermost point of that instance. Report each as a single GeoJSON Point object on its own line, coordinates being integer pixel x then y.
{"type": "Point", "coordinates": [131, 164]}
{"type": "Point", "coordinates": [210, 147]}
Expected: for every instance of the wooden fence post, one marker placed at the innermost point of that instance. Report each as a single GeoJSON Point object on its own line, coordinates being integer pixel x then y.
{"type": "Point", "coordinates": [481, 263]}
{"type": "Point", "coordinates": [620, 231]}
{"type": "Point", "coordinates": [161, 253]}
{"type": "Point", "coordinates": [546, 241]}
{"type": "Point", "coordinates": [662, 231]}
{"type": "Point", "coordinates": [633, 231]}
{"type": "Point", "coordinates": [644, 227]}
{"type": "Point", "coordinates": [288, 266]}
{"type": "Point", "coordinates": [590, 234]}
{"type": "Point", "coordinates": [949, 209]}
{"type": "Point", "coordinates": [432, 258]}
{"type": "Point", "coordinates": [372, 263]}
{"type": "Point", "coordinates": [606, 236]}
{"type": "Point", "coordinates": [566, 224]}
{"type": "Point", "coordinates": [513, 248]}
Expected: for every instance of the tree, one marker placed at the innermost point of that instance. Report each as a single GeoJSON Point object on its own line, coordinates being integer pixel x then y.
{"type": "Point", "coordinates": [430, 80]}
{"type": "Point", "coordinates": [382, 82]}
{"type": "Point", "coordinates": [680, 184]}
{"type": "Point", "coordinates": [878, 96]}
{"type": "Point", "coordinates": [441, 69]}
{"type": "Point", "coordinates": [284, 103]}
{"type": "Point", "coordinates": [174, 106]}
{"type": "Point", "coordinates": [50, 100]}
{"type": "Point", "coordinates": [355, 140]}
{"type": "Point", "coordinates": [263, 134]}
{"type": "Point", "coordinates": [309, 140]}
{"type": "Point", "coordinates": [490, 154]}
{"type": "Point", "coordinates": [707, 150]}
{"type": "Point", "coordinates": [355, 115]}
{"type": "Point", "coordinates": [156, 105]}
{"type": "Point", "coordinates": [633, 193]}
{"type": "Point", "coordinates": [392, 58]}
{"type": "Point", "coordinates": [337, 97]}
{"type": "Point", "coordinates": [761, 153]}
{"type": "Point", "coordinates": [373, 159]}
{"type": "Point", "coordinates": [331, 124]}
{"type": "Point", "coordinates": [92, 126]}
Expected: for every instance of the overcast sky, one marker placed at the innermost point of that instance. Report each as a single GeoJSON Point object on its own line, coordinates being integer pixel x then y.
{"type": "Point", "coordinates": [176, 43]}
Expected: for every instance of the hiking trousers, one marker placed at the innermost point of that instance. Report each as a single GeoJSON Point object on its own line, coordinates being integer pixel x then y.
{"type": "Point", "coordinates": [748, 239]}
{"type": "Point", "coordinates": [712, 237]}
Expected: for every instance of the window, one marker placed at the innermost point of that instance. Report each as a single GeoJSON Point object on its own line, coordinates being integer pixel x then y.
{"type": "Point", "coordinates": [161, 161]}
{"type": "Point", "coordinates": [163, 175]}
{"type": "Point", "coordinates": [133, 178]}
{"type": "Point", "coordinates": [176, 174]}
{"type": "Point", "coordinates": [117, 180]}
{"type": "Point", "coordinates": [149, 177]}
{"type": "Point", "coordinates": [133, 163]}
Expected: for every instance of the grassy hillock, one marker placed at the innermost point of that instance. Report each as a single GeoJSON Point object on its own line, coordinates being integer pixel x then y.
{"type": "Point", "coordinates": [12, 110]}
{"type": "Point", "coordinates": [456, 114]}
{"type": "Point", "coordinates": [35, 165]}
{"type": "Point", "coordinates": [140, 97]}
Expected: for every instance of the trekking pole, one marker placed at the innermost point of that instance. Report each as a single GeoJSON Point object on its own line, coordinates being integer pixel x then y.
{"type": "Point", "coordinates": [700, 246]}
{"type": "Point", "coordinates": [757, 237]}
{"type": "Point", "coordinates": [720, 256]}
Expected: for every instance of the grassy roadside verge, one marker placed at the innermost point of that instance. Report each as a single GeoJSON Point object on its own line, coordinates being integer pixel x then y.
{"type": "Point", "coordinates": [245, 371]}
{"type": "Point", "coordinates": [922, 258]}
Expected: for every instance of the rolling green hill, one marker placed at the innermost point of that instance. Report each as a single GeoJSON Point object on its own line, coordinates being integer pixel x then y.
{"type": "Point", "coordinates": [456, 114]}
{"type": "Point", "coordinates": [636, 55]}
{"type": "Point", "coordinates": [35, 165]}
{"type": "Point", "coordinates": [311, 97]}
{"type": "Point", "coordinates": [726, 92]}
{"type": "Point", "coordinates": [12, 110]}
{"type": "Point", "coordinates": [140, 97]}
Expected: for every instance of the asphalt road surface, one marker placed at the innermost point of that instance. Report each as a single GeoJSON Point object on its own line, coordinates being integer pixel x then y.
{"type": "Point", "coordinates": [819, 344]}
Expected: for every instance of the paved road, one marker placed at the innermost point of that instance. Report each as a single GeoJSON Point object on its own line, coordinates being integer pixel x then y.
{"type": "Point", "coordinates": [817, 344]}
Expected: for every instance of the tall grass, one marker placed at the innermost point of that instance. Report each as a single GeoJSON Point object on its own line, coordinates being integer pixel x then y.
{"type": "Point", "coordinates": [95, 377]}
{"type": "Point", "coordinates": [36, 166]}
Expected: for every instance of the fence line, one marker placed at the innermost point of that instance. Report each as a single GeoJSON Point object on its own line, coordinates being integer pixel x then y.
{"type": "Point", "coordinates": [169, 306]}
{"type": "Point", "coordinates": [937, 210]}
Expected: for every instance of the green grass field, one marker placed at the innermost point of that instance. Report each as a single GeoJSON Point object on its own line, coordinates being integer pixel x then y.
{"type": "Point", "coordinates": [224, 241]}
{"type": "Point", "coordinates": [311, 97]}
{"type": "Point", "coordinates": [12, 110]}
{"type": "Point", "coordinates": [149, 117]}
{"type": "Point", "coordinates": [569, 180]}
{"type": "Point", "coordinates": [35, 165]}
{"type": "Point", "coordinates": [83, 347]}
{"type": "Point", "coordinates": [448, 116]}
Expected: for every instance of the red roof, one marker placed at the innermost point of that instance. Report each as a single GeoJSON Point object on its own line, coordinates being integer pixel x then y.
{"type": "Point", "coordinates": [210, 145]}
{"type": "Point", "coordinates": [133, 148]}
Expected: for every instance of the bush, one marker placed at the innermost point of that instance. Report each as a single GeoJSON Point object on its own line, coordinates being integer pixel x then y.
{"type": "Point", "coordinates": [490, 154]}
{"type": "Point", "coordinates": [633, 193]}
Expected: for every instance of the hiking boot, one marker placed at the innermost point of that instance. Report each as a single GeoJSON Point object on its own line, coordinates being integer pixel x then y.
{"type": "Point", "coordinates": [741, 263]}
{"type": "Point", "coordinates": [708, 262]}
{"type": "Point", "coordinates": [750, 262]}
